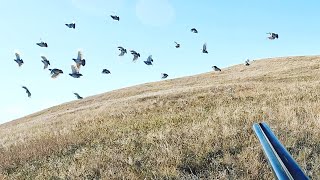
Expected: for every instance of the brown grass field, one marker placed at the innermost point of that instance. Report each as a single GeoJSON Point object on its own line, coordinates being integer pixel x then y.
{"type": "Point", "coordinates": [197, 127]}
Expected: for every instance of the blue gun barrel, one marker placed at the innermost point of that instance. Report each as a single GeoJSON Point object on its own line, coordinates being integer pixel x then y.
{"type": "Point", "coordinates": [283, 165]}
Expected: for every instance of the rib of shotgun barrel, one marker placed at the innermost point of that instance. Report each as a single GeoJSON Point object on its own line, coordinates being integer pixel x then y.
{"type": "Point", "coordinates": [282, 163]}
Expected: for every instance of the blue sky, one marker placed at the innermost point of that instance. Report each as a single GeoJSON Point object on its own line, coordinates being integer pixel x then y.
{"type": "Point", "coordinates": [234, 30]}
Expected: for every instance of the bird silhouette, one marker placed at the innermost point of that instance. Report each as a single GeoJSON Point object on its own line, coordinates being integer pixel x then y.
{"type": "Point", "coordinates": [18, 59]}
{"type": "Point", "coordinates": [215, 68]}
{"type": "Point", "coordinates": [45, 62]}
{"type": "Point", "coordinates": [78, 96]}
{"type": "Point", "coordinates": [75, 72]}
{"type": "Point", "coordinates": [149, 60]}
{"type": "Point", "coordinates": [114, 17]}
{"type": "Point", "coordinates": [273, 36]}
{"type": "Point", "coordinates": [177, 45]}
{"type": "Point", "coordinates": [247, 62]}
{"type": "Point", "coordinates": [135, 55]}
{"type": "Point", "coordinates": [204, 48]}
{"type": "Point", "coordinates": [42, 44]}
{"type": "Point", "coordinates": [71, 25]}
{"type": "Point", "coordinates": [55, 72]}
{"type": "Point", "coordinates": [194, 30]}
{"type": "Point", "coordinates": [79, 61]}
{"type": "Point", "coordinates": [27, 91]}
{"type": "Point", "coordinates": [164, 75]}
{"type": "Point", "coordinates": [122, 51]}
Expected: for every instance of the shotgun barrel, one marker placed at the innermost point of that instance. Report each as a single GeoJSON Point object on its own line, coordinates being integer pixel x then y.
{"type": "Point", "coordinates": [282, 163]}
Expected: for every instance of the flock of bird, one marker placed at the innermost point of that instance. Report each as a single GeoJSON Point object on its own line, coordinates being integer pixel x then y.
{"type": "Point", "coordinates": [80, 61]}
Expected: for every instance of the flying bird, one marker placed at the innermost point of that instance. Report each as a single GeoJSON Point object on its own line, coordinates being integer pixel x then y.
{"type": "Point", "coordinates": [75, 71]}
{"type": "Point", "coordinates": [164, 75]}
{"type": "Point", "coordinates": [114, 17]}
{"type": "Point", "coordinates": [204, 48]}
{"type": "Point", "coordinates": [177, 44]}
{"type": "Point", "coordinates": [149, 60]}
{"type": "Point", "coordinates": [80, 61]}
{"type": "Point", "coordinates": [135, 55]}
{"type": "Point", "coordinates": [55, 72]}
{"type": "Point", "coordinates": [78, 96]}
{"type": "Point", "coordinates": [18, 59]}
{"type": "Point", "coordinates": [273, 36]}
{"type": "Point", "coordinates": [106, 71]}
{"type": "Point", "coordinates": [42, 44]}
{"type": "Point", "coordinates": [27, 91]}
{"type": "Point", "coordinates": [215, 68]}
{"type": "Point", "coordinates": [122, 51]}
{"type": "Point", "coordinates": [71, 25]}
{"type": "Point", "coordinates": [247, 62]}
{"type": "Point", "coordinates": [194, 30]}
{"type": "Point", "coordinates": [45, 61]}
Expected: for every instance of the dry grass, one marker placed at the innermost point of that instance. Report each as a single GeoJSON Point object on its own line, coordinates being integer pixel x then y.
{"type": "Point", "coordinates": [197, 127]}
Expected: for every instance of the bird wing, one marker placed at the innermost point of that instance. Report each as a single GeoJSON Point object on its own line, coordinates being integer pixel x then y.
{"type": "Point", "coordinates": [54, 75]}
{"type": "Point", "coordinates": [205, 46]}
{"type": "Point", "coordinates": [149, 58]}
{"type": "Point", "coordinates": [44, 58]}
{"type": "Point", "coordinates": [135, 57]}
{"type": "Point", "coordinates": [79, 55]}
{"type": "Point", "coordinates": [17, 55]}
{"type": "Point", "coordinates": [45, 64]}
{"type": "Point", "coordinates": [121, 53]}
{"type": "Point", "coordinates": [76, 94]}
{"type": "Point", "coordinates": [28, 92]}
{"type": "Point", "coordinates": [75, 69]}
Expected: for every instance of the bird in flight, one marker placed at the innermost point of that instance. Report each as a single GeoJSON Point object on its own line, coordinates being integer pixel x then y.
{"type": "Point", "coordinates": [106, 71]}
{"type": "Point", "coordinates": [75, 71]}
{"type": "Point", "coordinates": [42, 44]}
{"type": "Point", "coordinates": [204, 48]}
{"type": "Point", "coordinates": [78, 96]}
{"type": "Point", "coordinates": [71, 25]}
{"type": "Point", "coordinates": [273, 36]}
{"type": "Point", "coordinates": [177, 44]}
{"type": "Point", "coordinates": [114, 17]}
{"type": "Point", "coordinates": [247, 62]}
{"type": "Point", "coordinates": [194, 30]}
{"type": "Point", "coordinates": [135, 55]}
{"type": "Point", "coordinates": [79, 61]}
{"type": "Point", "coordinates": [55, 72]}
{"type": "Point", "coordinates": [122, 50]}
{"type": "Point", "coordinates": [27, 91]}
{"type": "Point", "coordinates": [164, 75]}
{"type": "Point", "coordinates": [45, 62]}
{"type": "Point", "coordinates": [149, 60]}
{"type": "Point", "coordinates": [18, 59]}
{"type": "Point", "coordinates": [215, 68]}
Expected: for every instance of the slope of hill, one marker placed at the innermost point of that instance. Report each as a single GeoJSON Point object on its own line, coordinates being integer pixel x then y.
{"type": "Point", "coordinates": [191, 127]}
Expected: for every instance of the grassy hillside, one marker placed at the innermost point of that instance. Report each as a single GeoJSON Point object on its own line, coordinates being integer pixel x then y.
{"type": "Point", "coordinates": [192, 127]}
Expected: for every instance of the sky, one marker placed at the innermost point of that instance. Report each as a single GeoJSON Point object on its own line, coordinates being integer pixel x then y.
{"type": "Point", "coordinates": [233, 30]}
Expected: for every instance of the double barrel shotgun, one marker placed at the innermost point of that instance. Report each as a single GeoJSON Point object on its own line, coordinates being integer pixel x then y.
{"type": "Point", "coordinates": [282, 163]}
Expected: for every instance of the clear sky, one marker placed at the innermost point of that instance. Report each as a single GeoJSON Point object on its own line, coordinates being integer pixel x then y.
{"type": "Point", "coordinates": [234, 30]}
